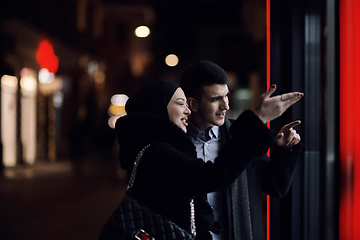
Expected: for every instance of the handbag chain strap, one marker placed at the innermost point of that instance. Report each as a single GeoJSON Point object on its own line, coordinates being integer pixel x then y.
{"type": "Point", "coordinates": [192, 218]}
{"type": "Point", "coordinates": [131, 183]}
{"type": "Point", "coordinates": [136, 164]}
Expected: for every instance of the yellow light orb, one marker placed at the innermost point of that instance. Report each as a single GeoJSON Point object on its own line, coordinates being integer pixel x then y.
{"type": "Point", "coordinates": [171, 60]}
{"type": "Point", "coordinates": [9, 80]}
{"type": "Point", "coordinates": [142, 31]}
{"type": "Point", "coordinates": [116, 110]}
{"type": "Point", "coordinates": [28, 83]}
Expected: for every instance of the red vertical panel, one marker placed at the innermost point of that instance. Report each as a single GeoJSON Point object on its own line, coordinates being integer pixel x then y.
{"type": "Point", "coordinates": [349, 221]}
{"type": "Point", "coordinates": [267, 87]}
{"type": "Point", "coordinates": [345, 226]}
{"type": "Point", "coordinates": [356, 117]}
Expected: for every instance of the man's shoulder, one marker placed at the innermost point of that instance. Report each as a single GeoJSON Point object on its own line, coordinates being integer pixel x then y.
{"type": "Point", "coordinates": [231, 120]}
{"type": "Point", "coordinates": [224, 129]}
{"type": "Point", "coordinates": [227, 123]}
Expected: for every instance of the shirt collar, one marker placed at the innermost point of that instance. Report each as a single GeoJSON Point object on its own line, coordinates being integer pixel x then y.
{"type": "Point", "coordinates": [196, 133]}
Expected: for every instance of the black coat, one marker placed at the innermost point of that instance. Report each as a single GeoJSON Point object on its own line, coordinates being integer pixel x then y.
{"type": "Point", "coordinates": [273, 177]}
{"type": "Point", "coordinates": [169, 173]}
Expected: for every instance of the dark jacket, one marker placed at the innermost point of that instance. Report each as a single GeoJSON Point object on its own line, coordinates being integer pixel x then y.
{"type": "Point", "coordinates": [169, 173]}
{"type": "Point", "coordinates": [273, 177]}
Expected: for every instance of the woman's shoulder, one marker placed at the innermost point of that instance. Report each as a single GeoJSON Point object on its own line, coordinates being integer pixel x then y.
{"type": "Point", "coordinates": [180, 149]}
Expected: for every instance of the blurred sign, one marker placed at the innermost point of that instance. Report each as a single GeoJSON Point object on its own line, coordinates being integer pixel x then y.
{"type": "Point", "coordinates": [46, 57]}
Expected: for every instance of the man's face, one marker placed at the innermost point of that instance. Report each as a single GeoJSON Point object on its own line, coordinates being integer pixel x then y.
{"type": "Point", "coordinates": [212, 106]}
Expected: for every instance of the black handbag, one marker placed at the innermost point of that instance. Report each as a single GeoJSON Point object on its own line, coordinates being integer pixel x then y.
{"type": "Point", "coordinates": [132, 220]}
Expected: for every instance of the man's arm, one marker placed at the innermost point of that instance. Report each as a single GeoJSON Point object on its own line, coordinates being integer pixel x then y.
{"type": "Point", "coordinates": [277, 174]}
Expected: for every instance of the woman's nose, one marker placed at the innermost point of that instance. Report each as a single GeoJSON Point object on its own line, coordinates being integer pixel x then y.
{"type": "Point", "coordinates": [187, 110]}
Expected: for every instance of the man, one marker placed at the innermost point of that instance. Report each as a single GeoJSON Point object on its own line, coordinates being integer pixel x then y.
{"type": "Point", "coordinates": [238, 208]}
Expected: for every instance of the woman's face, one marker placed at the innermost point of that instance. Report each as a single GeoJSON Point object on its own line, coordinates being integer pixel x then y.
{"type": "Point", "coordinates": [178, 109]}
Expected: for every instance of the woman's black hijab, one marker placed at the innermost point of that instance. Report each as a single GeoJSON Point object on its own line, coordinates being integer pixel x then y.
{"type": "Point", "coordinates": [153, 98]}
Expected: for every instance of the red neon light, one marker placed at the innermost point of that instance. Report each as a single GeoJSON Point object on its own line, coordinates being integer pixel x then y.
{"type": "Point", "coordinates": [356, 223]}
{"type": "Point", "coordinates": [46, 58]}
{"type": "Point", "coordinates": [268, 43]}
{"type": "Point", "coordinates": [267, 87]}
{"type": "Point", "coordinates": [349, 215]}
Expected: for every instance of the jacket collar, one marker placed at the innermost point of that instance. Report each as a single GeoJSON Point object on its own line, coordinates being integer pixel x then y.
{"type": "Point", "coordinates": [196, 133]}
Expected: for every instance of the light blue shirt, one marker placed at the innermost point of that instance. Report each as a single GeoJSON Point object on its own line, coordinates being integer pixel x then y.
{"type": "Point", "coordinates": [205, 149]}
{"type": "Point", "coordinates": [208, 150]}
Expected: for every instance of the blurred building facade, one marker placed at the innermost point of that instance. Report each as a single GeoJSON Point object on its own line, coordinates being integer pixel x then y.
{"type": "Point", "coordinates": [95, 53]}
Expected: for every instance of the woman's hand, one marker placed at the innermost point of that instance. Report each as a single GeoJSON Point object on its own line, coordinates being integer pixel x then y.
{"type": "Point", "coordinates": [270, 108]}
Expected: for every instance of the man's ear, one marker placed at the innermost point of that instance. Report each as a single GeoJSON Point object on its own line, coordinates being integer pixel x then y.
{"type": "Point", "coordinates": [193, 104]}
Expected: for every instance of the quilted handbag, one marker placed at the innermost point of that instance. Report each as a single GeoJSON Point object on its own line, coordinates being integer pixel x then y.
{"type": "Point", "coordinates": [132, 220]}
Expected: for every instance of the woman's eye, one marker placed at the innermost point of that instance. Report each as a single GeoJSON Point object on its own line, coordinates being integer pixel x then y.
{"type": "Point", "coordinates": [178, 103]}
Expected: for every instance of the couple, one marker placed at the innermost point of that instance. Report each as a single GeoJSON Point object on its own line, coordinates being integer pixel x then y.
{"type": "Point", "coordinates": [207, 157]}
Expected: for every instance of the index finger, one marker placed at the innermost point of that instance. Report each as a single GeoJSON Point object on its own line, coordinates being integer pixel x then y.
{"type": "Point", "coordinates": [292, 124]}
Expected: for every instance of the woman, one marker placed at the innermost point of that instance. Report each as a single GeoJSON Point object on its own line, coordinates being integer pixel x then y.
{"type": "Point", "coordinates": [169, 174]}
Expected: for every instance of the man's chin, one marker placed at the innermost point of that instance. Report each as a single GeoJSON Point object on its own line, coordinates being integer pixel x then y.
{"type": "Point", "coordinates": [219, 122]}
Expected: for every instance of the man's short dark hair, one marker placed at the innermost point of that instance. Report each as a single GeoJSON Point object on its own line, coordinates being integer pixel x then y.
{"type": "Point", "coordinates": [199, 74]}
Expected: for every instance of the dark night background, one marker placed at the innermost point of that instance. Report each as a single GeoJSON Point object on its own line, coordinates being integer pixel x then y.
{"type": "Point", "coordinates": [70, 194]}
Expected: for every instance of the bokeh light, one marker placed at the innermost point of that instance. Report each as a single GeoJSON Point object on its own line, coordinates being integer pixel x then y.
{"type": "Point", "coordinates": [117, 108]}
{"type": "Point", "coordinates": [112, 120]}
{"type": "Point", "coordinates": [99, 78]}
{"type": "Point", "coordinates": [58, 99]}
{"type": "Point", "coordinates": [9, 80]}
{"type": "Point", "coordinates": [46, 57]}
{"type": "Point", "coordinates": [171, 60]}
{"type": "Point", "coordinates": [45, 76]}
{"type": "Point", "coordinates": [119, 99]}
{"type": "Point", "coordinates": [28, 83]}
{"type": "Point", "coordinates": [142, 31]}
{"type": "Point", "coordinates": [92, 68]}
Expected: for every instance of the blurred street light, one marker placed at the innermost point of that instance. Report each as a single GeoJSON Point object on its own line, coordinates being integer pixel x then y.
{"type": "Point", "coordinates": [142, 31]}
{"type": "Point", "coordinates": [171, 60]}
